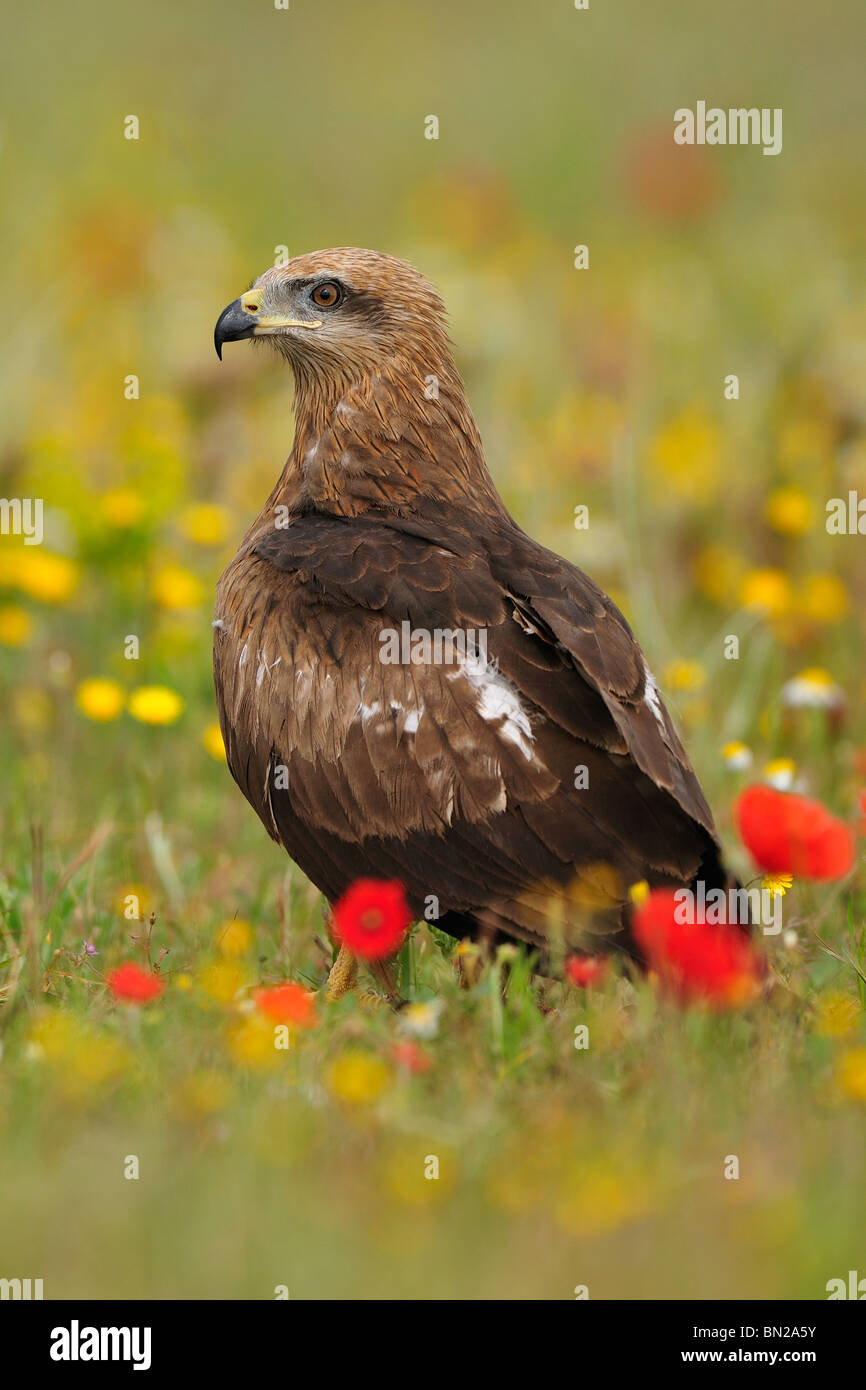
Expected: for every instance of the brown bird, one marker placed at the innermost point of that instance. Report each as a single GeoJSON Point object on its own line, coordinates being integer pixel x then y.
{"type": "Point", "coordinates": [517, 777]}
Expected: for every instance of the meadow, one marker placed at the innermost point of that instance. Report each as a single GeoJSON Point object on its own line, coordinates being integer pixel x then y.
{"type": "Point", "coordinates": [465, 1147]}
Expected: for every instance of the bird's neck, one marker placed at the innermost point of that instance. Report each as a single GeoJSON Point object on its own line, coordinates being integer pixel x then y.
{"type": "Point", "coordinates": [389, 439]}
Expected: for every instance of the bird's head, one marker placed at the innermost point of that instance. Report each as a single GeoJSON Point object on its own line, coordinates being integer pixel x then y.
{"type": "Point", "coordinates": [380, 410]}
{"type": "Point", "coordinates": [342, 313]}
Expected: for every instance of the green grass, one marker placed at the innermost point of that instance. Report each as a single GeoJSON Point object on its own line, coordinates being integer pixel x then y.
{"type": "Point", "coordinates": [558, 1166]}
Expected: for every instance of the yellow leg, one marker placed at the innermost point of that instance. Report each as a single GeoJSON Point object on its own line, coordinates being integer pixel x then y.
{"type": "Point", "coordinates": [343, 976]}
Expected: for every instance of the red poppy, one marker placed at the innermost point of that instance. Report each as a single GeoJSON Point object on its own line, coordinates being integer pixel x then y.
{"type": "Point", "coordinates": [584, 971]}
{"type": "Point", "coordinates": [134, 985]}
{"type": "Point", "coordinates": [372, 918]}
{"type": "Point", "coordinates": [411, 1057]}
{"type": "Point", "coordinates": [788, 834]}
{"type": "Point", "coordinates": [288, 1003]}
{"type": "Point", "coordinates": [678, 183]}
{"type": "Point", "coordinates": [699, 962]}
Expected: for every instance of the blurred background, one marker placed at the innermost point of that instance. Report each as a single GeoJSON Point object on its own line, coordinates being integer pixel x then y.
{"type": "Point", "coordinates": [304, 128]}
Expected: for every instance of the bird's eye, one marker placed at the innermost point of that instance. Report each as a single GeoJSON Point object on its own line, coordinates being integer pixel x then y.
{"type": "Point", "coordinates": [327, 295]}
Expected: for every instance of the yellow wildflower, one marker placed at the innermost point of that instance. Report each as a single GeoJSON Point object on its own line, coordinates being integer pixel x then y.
{"type": "Point", "coordinates": [134, 902]}
{"type": "Point", "coordinates": [718, 573]}
{"type": "Point", "coordinates": [51, 1036]}
{"type": "Point", "coordinates": [823, 598]}
{"type": "Point", "coordinates": [466, 948]}
{"type": "Point", "coordinates": [82, 1059]}
{"type": "Point", "coordinates": [687, 455]}
{"type": "Point", "coordinates": [45, 576]}
{"type": "Point", "coordinates": [768, 591]}
{"type": "Point", "coordinates": [357, 1078]}
{"type": "Point", "coordinates": [222, 981]}
{"type": "Point", "coordinates": [100, 699]}
{"type": "Point", "coordinates": [176, 588]}
{"type": "Point", "coordinates": [777, 885]}
{"type": "Point", "coordinates": [813, 688]}
{"type": "Point", "coordinates": [737, 756]}
{"type": "Point", "coordinates": [16, 626]}
{"type": "Point", "coordinates": [639, 892]}
{"type": "Point", "coordinates": [851, 1073]}
{"type": "Point", "coordinates": [253, 1042]}
{"type": "Point", "coordinates": [205, 523]}
{"type": "Point", "coordinates": [212, 738]}
{"type": "Point", "coordinates": [234, 938]}
{"type": "Point", "coordinates": [836, 1015]}
{"type": "Point", "coordinates": [780, 773]}
{"type": "Point", "coordinates": [684, 675]}
{"type": "Point", "coordinates": [789, 511]}
{"type": "Point", "coordinates": [122, 507]}
{"type": "Point", "coordinates": [155, 704]}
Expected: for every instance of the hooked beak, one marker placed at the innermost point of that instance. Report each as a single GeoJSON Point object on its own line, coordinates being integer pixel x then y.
{"type": "Point", "coordinates": [243, 319]}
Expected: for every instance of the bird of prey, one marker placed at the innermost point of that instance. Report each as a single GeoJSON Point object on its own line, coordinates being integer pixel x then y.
{"type": "Point", "coordinates": [517, 783]}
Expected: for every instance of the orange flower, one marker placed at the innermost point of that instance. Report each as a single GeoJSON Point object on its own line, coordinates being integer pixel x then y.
{"type": "Point", "coordinates": [372, 918]}
{"type": "Point", "coordinates": [134, 985]}
{"type": "Point", "coordinates": [677, 183]}
{"type": "Point", "coordinates": [585, 971]}
{"type": "Point", "coordinates": [288, 1003]}
{"type": "Point", "coordinates": [789, 834]}
{"type": "Point", "coordinates": [698, 962]}
{"type": "Point", "coordinates": [411, 1057]}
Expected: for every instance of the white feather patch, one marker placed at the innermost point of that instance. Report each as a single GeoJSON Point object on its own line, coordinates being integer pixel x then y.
{"type": "Point", "coordinates": [651, 695]}
{"type": "Point", "coordinates": [499, 703]}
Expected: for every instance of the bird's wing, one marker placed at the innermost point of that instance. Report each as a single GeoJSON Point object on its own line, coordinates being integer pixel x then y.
{"type": "Point", "coordinates": [372, 745]}
{"type": "Point", "coordinates": [572, 610]}
{"type": "Point", "coordinates": [555, 602]}
{"type": "Point", "coordinates": [555, 761]}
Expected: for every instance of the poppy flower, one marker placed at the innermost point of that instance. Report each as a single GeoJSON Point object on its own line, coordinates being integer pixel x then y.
{"type": "Point", "coordinates": [789, 834]}
{"type": "Point", "coordinates": [134, 985]}
{"type": "Point", "coordinates": [699, 962]}
{"type": "Point", "coordinates": [288, 1003]}
{"type": "Point", "coordinates": [372, 918]}
{"type": "Point", "coordinates": [676, 183]}
{"type": "Point", "coordinates": [585, 971]}
{"type": "Point", "coordinates": [411, 1057]}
